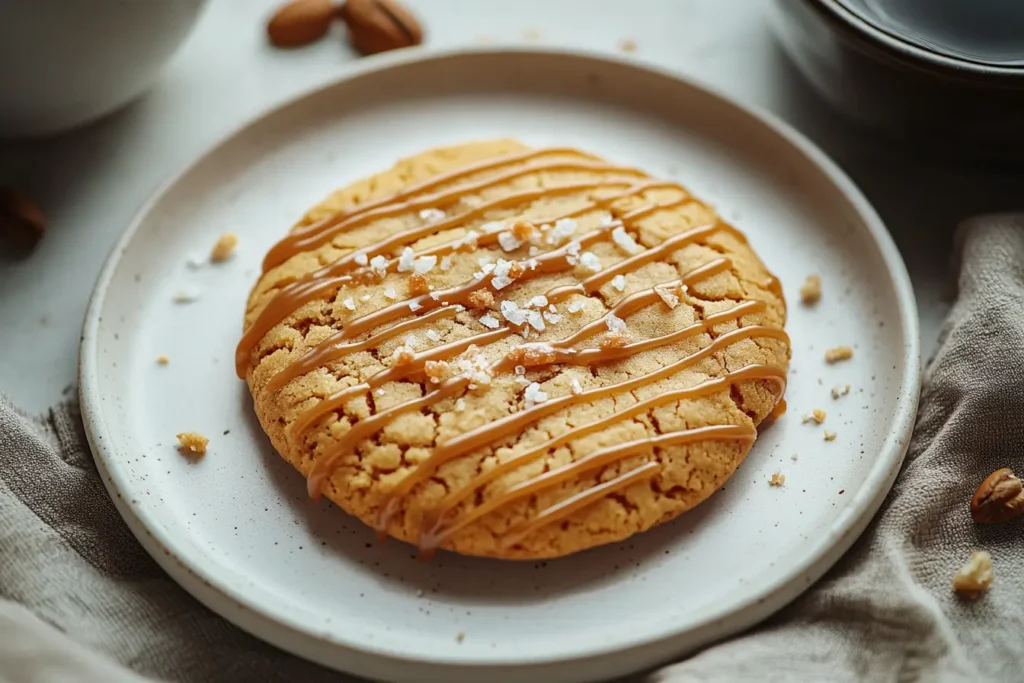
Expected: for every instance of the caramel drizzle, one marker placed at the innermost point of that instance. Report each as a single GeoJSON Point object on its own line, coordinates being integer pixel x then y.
{"type": "Point", "coordinates": [552, 261]}
{"type": "Point", "coordinates": [295, 295]}
{"type": "Point", "coordinates": [436, 529]}
{"type": "Point", "coordinates": [439, 524]}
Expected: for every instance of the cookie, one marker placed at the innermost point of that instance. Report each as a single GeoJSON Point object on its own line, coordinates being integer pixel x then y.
{"type": "Point", "coordinates": [513, 352]}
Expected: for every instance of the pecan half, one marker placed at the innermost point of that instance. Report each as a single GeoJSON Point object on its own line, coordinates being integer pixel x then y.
{"type": "Point", "coordinates": [999, 498]}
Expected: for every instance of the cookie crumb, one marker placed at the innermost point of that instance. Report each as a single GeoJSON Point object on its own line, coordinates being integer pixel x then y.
{"type": "Point", "coordinates": [435, 370]}
{"type": "Point", "coordinates": [419, 593]}
{"type": "Point", "coordinates": [975, 577]}
{"type": "Point", "coordinates": [838, 353]}
{"type": "Point", "coordinates": [668, 296]}
{"type": "Point", "coordinates": [481, 300]}
{"type": "Point", "coordinates": [817, 416]}
{"type": "Point", "coordinates": [192, 443]}
{"type": "Point", "coordinates": [778, 479]}
{"type": "Point", "coordinates": [185, 296]}
{"type": "Point", "coordinates": [418, 284]}
{"type": "Point", "coordinates": [794, 457]}
{"type": "Point", "coordinates": [628, 45]}
{"type": "Point", "coordinates": [810, 291]}
{"type": "Point", "coordinates": [459, 637]}
{"type": "Point", "coordinates": [830, 436]}
{"type": "Point", "coordinates": [224, 247]}
{"type": "Point", "coordinates": [162, 360]}
{"type": "Point", "coordinates": [837, 392]}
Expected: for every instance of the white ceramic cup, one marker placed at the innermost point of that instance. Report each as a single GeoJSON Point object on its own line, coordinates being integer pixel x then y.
{"type": "Point", "coordinates": [64, 63]}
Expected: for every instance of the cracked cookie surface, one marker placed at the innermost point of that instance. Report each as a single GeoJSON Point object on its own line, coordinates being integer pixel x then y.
{"type": "Point", "coordinates": [513, 353]}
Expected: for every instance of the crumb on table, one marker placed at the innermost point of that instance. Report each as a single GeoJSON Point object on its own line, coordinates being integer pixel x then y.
{"type": "Point", "coordinates": [838, 353]}
{"type": "Point", "coordinates": [162, 360]}
{"type": "Point", "coordinates": [840, 391]}
{"type": "Point", "coordinates": [817, 416]}
{"type": "Point", "coordinates": [974, 577]}
{"type": "Point", "coordinates": [224, 247]}
{"type": "Point", "coordinates": [810, 291]}
{"type": "Point", "coordinates": [460, 636]}
{"type": "Point", "coordinates": [192, 443]}
{"type": "Point", "coordinates": [830, 436]}
{"type": "Point", "coordinates": [778, 479]}
{"type": "Point", "coordinates": [627, 45]}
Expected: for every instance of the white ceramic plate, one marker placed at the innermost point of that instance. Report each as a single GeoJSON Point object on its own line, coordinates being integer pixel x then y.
{"type": "Point", "coordinates": [239, 533]}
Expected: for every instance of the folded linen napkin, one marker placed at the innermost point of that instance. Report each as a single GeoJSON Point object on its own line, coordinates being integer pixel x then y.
{"type": "Point", "coordinates": [81, 601]}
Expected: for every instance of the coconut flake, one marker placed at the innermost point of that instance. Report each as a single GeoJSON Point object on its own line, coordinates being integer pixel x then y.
{"type": "Point", "coordinates": [490, 322]}
{"type": "Point", "coordinates": [508, 241]}
{"type": "Point", "coordinates": [625, 241]}
{"type": "Point", "coordinates": [619, 283]}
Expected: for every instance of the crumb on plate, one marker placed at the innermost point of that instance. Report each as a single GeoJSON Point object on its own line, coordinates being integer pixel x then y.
{"type": "Point", "coordinates": [778, 479]}
{"type": "Point", "coordinates": [224, 247]}
{"type": "Point", "coordinates": [162, 360]}
{"type": "Point", "coordinates": [817, 416]}
{"type": "Point", "coordinates": [192, 443]}
{"type": "Point", "coordinates": [810, 291]}
{"type": "Point", "coordinates": [975, 577]}
{"type": "Point", "coordinates": [627, 45]}
{"type": "Point", "coordinates": [840, 391]}
{"type": "Point", "coordinates": [460, 636]}
{"type": "Point", "coordinates": [838, 353]}
{"type": "Point", "coordinates": [830, 436]}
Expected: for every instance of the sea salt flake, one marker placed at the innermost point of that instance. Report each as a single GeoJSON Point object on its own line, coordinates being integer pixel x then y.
{"type": "Point", "coordinates": [493, 226]}
{"type": "Point", "coordinates": [670, 298]}
{"type": "Point", "coordinates": [468, 240]}
{"type": "Point", "coordinates": [615, 323]}
{"type": "Point", "coordinates": [564, 228]}
{"type": "Point", "coordinates": [590, 262]}
{"type": "Point", "coordinates": [432, 335]}
{"type": "Point", "coordinates": [379, 265]}
{"type": "Point", "coordinates": [536, 320]}
{"type": "Point", "coordinates": [534, 395]}
{"type": "Point", "coordinates": [512, 312]}
{"type": "Point", "coordinates": [575, 306]}
{"type": "Point", "coordinates": [553, 318]}
{"type": "Point", "coordinates": [424, 264]}
{"type": "Point", "coordinates": [405, 261]}
{"type": "Point", "coordinates": [349, 304]}
{"type": "Point", "coordinates": [446, 263]}
{"type": "Point", "coordinates": [625, 241]}
{"type": "Point", "coordinates": [619, 283]}
{"type": "Point", "coordinates": [360, 258]}
{"type": "Point", "coordinates": [539, 301]}
{"type": "Point", "coordinates": [508, 241]}
{"type": "Point", "coordinates": [534, 251]}
{"type": "Point", "coordinates": [490, 322]}
{"type": "Point", "coordinates": [574, 248]}
{"type": "Point", "coordinates": [389, 292]}
{"type": "Point", "coordinates": [365, 297]}
{"type": "Point", "coordinates": [432, 215]}
{"type": "Point", "coordinates": [415, 306]}
{"type": "Point", "coordinates": [576, 387]}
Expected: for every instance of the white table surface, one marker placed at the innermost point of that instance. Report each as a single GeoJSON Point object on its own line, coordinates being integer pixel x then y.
{"type": "Point", "coordinates": [90, 182]}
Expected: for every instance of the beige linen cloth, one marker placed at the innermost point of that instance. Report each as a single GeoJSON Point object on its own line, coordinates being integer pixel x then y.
{"type": "Point", "coordinates": [81, 601]}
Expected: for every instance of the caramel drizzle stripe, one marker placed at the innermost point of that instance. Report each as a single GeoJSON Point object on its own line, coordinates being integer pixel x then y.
{"type": "Point", "coordinates": [447, 351]}
{"type": "Point", "coordinates": [577, 502]}
{"type": "Point", "coordinates": [329, 350]}
{"type": "Point", "coordinates": [430, 184]}
{"type": "Point", "coordinates": [333, 277]}
{"type": "Point", "coordinates": [612, 454]}
{"type": "Point", "coordinates": [552, 261]}
{"type": "Point", "coordinates": [509, 424]}
{"type": "Point", "coordinates": [296, 243]}
{"type": "Point", "coordinates": [437, 528]}
{"type": "Point", "coordinates": [395, 372]}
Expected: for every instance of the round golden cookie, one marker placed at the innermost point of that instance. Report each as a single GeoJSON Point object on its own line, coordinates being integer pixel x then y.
{"type": "Point", "coordinates": [513, 352]}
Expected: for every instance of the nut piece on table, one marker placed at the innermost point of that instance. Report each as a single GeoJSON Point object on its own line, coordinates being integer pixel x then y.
{"type": "Point", "coordinates": [974, 577]}
{"type": "Point", "coordinates": [300, 22]}
{"type": "Point", "coordinates": [999, 498]}
{"type": "Point", "coordinates": [224, 247]}
{"type": "Point", "coordinates": [380, 25]}
{"type": "Point", "coordinates": [192, 444]}
{"type": "Point", "coordinates": [21, 222]}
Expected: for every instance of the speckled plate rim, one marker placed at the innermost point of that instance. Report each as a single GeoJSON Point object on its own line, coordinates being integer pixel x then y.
{"type": "Point", "coordinates": [600, 662]}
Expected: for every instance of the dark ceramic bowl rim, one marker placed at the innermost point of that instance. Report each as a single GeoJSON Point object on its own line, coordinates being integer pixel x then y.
{"type": "Point", "coordinates": [914, 55]}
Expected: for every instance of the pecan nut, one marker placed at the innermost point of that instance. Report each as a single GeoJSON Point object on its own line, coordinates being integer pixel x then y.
{"type": "Point", "coordinates": [300, 22]}
{"type": "Point", "coordinates": [999, 498]}
{"type": "Point", "coordinates": [380, 25]}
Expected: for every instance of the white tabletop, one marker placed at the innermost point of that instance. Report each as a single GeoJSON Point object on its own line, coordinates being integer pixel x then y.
{"type": "Point", "coordinates": [90, 182]}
